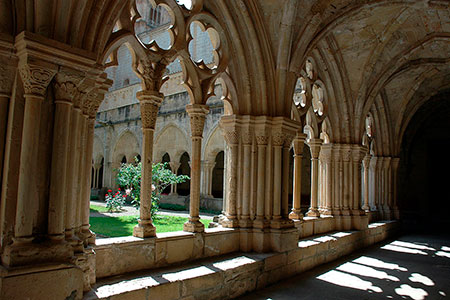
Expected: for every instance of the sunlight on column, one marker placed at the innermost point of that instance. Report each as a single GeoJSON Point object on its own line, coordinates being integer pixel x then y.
{"type": "Point", "coordinates": [347, 280]}
{"type": "Point", "coordinates": [373, 262]}
{"type": "Point", "coordinates": [443, 254]}
{"type": "Point", "coordinates": [411, 245]}
{"type": "Point", "coordinates": [406, 290]}
{"type": "Point", "coordinates": [416, 277]}
{"type": "Point", "coordinates": [365, 271]}
{"type": "Point", "coordinates": [403, 249]}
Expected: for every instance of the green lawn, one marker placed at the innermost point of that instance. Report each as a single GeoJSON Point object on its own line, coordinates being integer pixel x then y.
{"type": "Point", "coordinates": [98, 208]}
{"type": "Point", "coordinates": [123, 226]}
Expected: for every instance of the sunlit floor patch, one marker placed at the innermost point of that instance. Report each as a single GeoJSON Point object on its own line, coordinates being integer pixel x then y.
{"type": "Point", "coordinates": [412, 245]}
{"type": "Point", "coordinates": [416, 277]}
{"type": "Point", "coordinates": [350, 281]}
{"type": "Point", "coordinates": [362, 270]}
{"type": "Point", "coordinates": [445, 248]}
{"type": "Point", "coordinates": [414, 293]}
{"type": "Point", "coordinates": [373, 262]}
{"type": "Point", "coordinates": [403, 249]}
{"type": "Point", "coordinates": [443, 254]}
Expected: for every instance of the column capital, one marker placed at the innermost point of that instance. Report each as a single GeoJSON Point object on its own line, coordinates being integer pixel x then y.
{"type": "Point", "coordinates": [358, 153]}
{"type": "Point", "coordinates": [298, 143]}
{"type": "Point", "coordinates": [66, 85]}
{"type": "Point", "coordinates": [36, 78]}
{"type": "Point", "coordinates": [386, 162]}
{"type": "Point", "coordinates": [326, 153]}
{"type": "Point", "coordinates": [174, 166]}
{"type": "Point", "coordinates": [314, 146]}
{"type": "Point", "coordinates": [197, 114]}
{"type": "Point", "coordinates": [346, 151]}
{"type": "Point", "coordinates": [395, 162]}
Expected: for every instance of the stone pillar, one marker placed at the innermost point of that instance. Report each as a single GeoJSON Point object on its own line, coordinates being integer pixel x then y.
{"type": "Point", "coordinates": [337, 180]}
{"type": "Point", "coordinates": [326, 156]}
{"type": "Point", "coordinates": [387, 187]}
{"type": "Point", "coordinates": [347, 183]}
{"type": "Point", "coordinates": [314, 145]}
{"type": "Point", "coordinates": [286, 172]}
{"type": "Point", "coordinates": [395, 164]}
{"type": "Point", "coordinates": [298, 143]}
{"type": "Point", "coordinates": [197, 114]}
{"type": "Point", "coordinates": [64, 90]}
{"type": "Point", "coordinates": [35, 81]}
{"type": "Point", "coordinates": [277, 143]}
{"type": "Point", "coordinates": [261, 140]}
{"type": "Point", "coordinates": [247, 140]}
{"type": "Point", "coordinates": [4, 104]}
{"type": "Point", "coordinates": [373, 183]}
{"type": "Point", "coordinates": [366, 164]}
{"type": "Point", "coordinates": [150, 102]}
{"type": "Point", "coordinates": [174, 167]}
{"type": "Point", "coordinates": [358, 153]}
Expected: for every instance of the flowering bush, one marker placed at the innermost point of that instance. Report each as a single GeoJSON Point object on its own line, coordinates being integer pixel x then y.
{"type": "Point", "coordinates": [115, 201]}
{"type": "Point", "coordinates": [129, 177]}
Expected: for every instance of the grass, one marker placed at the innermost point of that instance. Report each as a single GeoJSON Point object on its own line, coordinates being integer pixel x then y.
{"type": "Point", "coordinates": [123, 226]}
{"type": "Point", "coordinates": [98, 208]}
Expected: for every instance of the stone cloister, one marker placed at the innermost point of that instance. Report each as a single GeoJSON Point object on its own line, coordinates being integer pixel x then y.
{"type": "Point", "coordinates": [362, 84]}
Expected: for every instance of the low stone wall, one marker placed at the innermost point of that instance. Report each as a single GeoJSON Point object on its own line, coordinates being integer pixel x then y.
{"type": "Point", "coordinates": [228, 277]}
{"type": "Point", "coordinates": [116, 256]}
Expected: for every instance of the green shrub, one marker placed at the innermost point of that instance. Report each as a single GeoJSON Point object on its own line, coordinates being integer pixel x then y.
{"type": "Point", "coordinates": [129, 177]}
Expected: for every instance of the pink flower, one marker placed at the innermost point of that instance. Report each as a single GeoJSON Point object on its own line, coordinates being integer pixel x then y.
{"type": "Point", "coordinates": [124, 196]}
{"type": "Point", "coordinates": [106, 195]}
{"type": "Point", "coordinates": [109, 191]}
{"type": "Point", "coordinates": [119, 189]}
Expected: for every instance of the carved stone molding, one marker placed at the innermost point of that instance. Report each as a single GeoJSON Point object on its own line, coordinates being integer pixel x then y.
{"type": "Point", "coordinates": [6, 79]}
{"type": "Point", "coordinates": [247, 136]}
{"type": "Point", "coordinates": [35, 79]}
{"type": "Point", "coordinates": [150, 103]}
{"type": "Point", "coordinates": [66, 83]}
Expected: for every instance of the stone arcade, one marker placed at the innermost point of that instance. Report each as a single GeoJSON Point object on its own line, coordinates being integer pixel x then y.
{"type": "Point", "coordinates": [354, 82]}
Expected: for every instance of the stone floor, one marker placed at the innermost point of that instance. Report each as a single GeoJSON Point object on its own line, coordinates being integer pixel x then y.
{"type": "Point", "coordinates": [409, 267]}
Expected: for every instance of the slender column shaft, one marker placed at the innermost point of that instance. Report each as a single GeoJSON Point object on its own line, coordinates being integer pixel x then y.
{"type": "Point", "coordinates": [70, 175]}
{"type": "Point", "coordinates": [366, 163]}
{"type": "Point", "coordinates": [27, 194]}
{"type": "Point", "coordinates": [336, 180]}
{"type": "Point", "coordinates": [347, 183]}
{"type": "Point", "coordinates": [86, 197]}
{"type": "Point", "coordinates": [325, 153]}
{"type": "Point", "coordinates": [150, 102]}
{"type": "Point", "coordinates": [81, 172]}
{"type": "Point", "coordinates": [298, 143]}
{"type": "Point", "coordinates": [76, 170]}
{"type": "Point", "coordinates": [197, 114]}
{"type": "Point", "coordinates": [277, 180]}
{"type": "Point", "coordinates": [4, 103]}
{"type": "Point", "coordinates": [260, 192]}
{"type": "Point", "coordinates": [285, 190]}
{"type": "Point", "coordinates": [246, 181]}
{"type": "Point", "coordinates": [395, 164]}
{"type": "Point", "coordinates": [314, 145]}
{"type": "Point", "coordinates": [61, 131]}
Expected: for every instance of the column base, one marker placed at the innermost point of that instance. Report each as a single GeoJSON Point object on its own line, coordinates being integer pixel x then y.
{"type": "Point", "coordinates": [312, 212]}
{"type": "Point", "coordinates": [346, 212]}
{"type": "Point", "coordinates": [49, 281]}
{"type": "Point", "coordinates": [245, 222]}
{"type": "Point", "coordinates": [229, 222]}
{"type": "Point", "coordinates": [296, 215]}
{"type": "Point", "coordinates": [281, 223]}
{"type": "Point", "coordinates": [193, 226]}
{"type": "Point", "coordinates": [260, 223]}
{"type": "Point", "coordinates": [144, 230]}
{"type": "Point", "coordinates": [326, 212]}
{"type": "Point", "coordinates": [21, 253]}
{"type": "Point", "coordinates": [87, 236]}
{"type": "Point", "coordinates": [358, 212]}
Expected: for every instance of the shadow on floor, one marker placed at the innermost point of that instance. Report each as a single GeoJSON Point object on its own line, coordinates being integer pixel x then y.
{"type": "Point", "coordinates": [410, 267]}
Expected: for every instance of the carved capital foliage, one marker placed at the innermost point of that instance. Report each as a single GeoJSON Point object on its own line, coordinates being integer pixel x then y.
{"type": "Point", "coordinates": [262, 138]}
{"type": "Point", "coordinates": [35, 79]}
{"type": "Point", "coordinates": [66, 85]}
{"type": "Point", "coordinates": [149, 113]}
{"type": "Point", "coordinates": [247, 136]}
{"type": "Point", "coordinates": [197, 114]}
{"type": "Point", "coordinates": [150, 102]}
{"type": "Point", "coordinates": [278, 138]}
{"type": "Point", "coordinates": [231, 136]}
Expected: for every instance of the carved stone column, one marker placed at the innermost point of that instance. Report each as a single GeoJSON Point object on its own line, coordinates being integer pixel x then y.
{"type": "Point", "coordinates": [197, 114]}
{"type": "Point", "coordinates": [387, 187]}
{"type": "Point", "coordinates": [326, 156]}
{"type": "Point", "coordinates": [395, 163]}
{"type": "Point", "coordinates": [6, 78]}
{"type": "Point", "coordinates": [298, 143]}
{"type": "Point", "coordinates": [277, 142]}
{"type": "Point", "coordinates": [358, 153]}
{"type": "Point", "coordinates": [314, 145]}
{"type": "Point", "coordinates": [262, 138]}
{"type": "Point", "coordinates": [373, 183]}
{"type": "Point", "coordinates": [150, 102]}
{"type": "Point", "coordinates": [247, 140]}
{"type": "Point", "coordinates": [35, 81]}
{"type": "Point", "coordinates": [65, 88]}
{"type": "Point", "coordinates": [347, 189]}
{"type": "Point", "coordinates": [366, 164]}
{"type": "Point", "coordinates": [174, 167]}
{"type": "Point", "coordinates": [337, 180]}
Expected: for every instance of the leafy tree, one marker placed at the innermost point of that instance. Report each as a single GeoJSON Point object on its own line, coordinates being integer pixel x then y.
{"type": "Point", "coordinates": [129, 177]}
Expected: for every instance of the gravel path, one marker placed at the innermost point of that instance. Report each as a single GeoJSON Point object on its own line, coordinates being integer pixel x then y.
{"type": "Point", "coordinates": [128, 210]}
